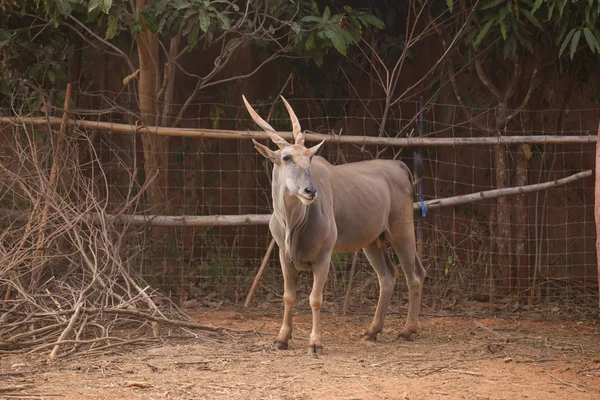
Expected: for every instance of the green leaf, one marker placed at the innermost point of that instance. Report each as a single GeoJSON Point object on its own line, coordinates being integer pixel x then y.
{"type": "Point", "coordinates": [318, 58]}
{"type": "Point", "coordinates": [326, 14]}
{"type": "Point", "coordinates": [483, 32]}
{"type": "Point", "coordinates": [311, 18]}
{"type": "Point", "coordinates": [113, 26]}
{"type": "Point", "coordinates": [314, 7]}
{"type": "Point", "coordinates": [189, 13]}
{"type": "Point", "coordinates": [522, 35]}
{"type": "Point", "coordinates": [503, 29]}
{"type": "Point", "coordinates": [504, 11]}
{"type": "Point", "coordinates": [93, 15]}
{"type": "Point", "coordinates": [536, 5]}
{"type": "Point", "coordinates": [562, 30]}
{"type": "Point", "coordinates": [561, 7]}
{"type": "Point", "coordinates": [591, 40]}
{"type": "Point", "coordinates": [346, 36]}
{"type": "Point", "coordinates": [490, 4]}
{"type": "Point", "coordinates": [64, 7]}
{"type": "Point", "coordinates": [566, 41]}
{"type": "Point", "coordinates": [204, 21]}
{"type": "Point", "coordinates": [225, 21]}
{"type": "Point", "coordinates": [310, 42]}
{"type": "Point", "coordinates": [510, 46]}
{"type": "Point", "coordinates": [574, 43]}
{"type": "Point", "coordinates": [190, 23]}
{"type": "Point", "coordinates": [470, 35]}
{"type": "Point", "coordinates": [550, 11]}
{"type": "Point", "coordinates": [51, 76]}
{"type": "Point", "coordinates": [370, 19]}
{"type": "Point", "coordinates": [193, 36]}
{"type": "Point", "coordinates": [450, 4]}
{"type": "Point", "coordinates": [161, 5]}
{"type": "Point", "coordinates": [532, 19]}
{"type": "Point", "coordinates": [336, 18]}
{"type": "Point", "coordinates": [92, 5]}
{"type": "Point", "coordinates": [337, 40]}
{"type": "Point", "coordinates": [149, 21]}
{"type": "Point", "coordinates": [105, 5]}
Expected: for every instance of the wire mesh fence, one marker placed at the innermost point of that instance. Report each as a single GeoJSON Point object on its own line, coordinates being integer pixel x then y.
{"type": "Point", "coordinates": [549, 263]}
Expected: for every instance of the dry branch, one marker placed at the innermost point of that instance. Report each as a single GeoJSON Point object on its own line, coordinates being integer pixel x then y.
{"type": "Point", "coordinates": [69, 327]}
{"type": "Point", "coordinates": [38, 261]}
{"type": "Point", "coordinates": [350, 281]}
{"type": "Point", "coordinates": [93, 291]}
{"type": "Point", "coordinates": [263, 264]}
{"type": "Point", "coordinates": [166, 321]}
{"type": "Point", "coordinates": [310, 137]}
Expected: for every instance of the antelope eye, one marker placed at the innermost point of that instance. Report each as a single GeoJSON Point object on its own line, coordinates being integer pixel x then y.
{"type": "Point", "coordinates": [287, 158]}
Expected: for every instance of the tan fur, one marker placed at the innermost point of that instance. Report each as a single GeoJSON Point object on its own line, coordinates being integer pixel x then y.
{"type": "Point", "coordinates": [319, 209]}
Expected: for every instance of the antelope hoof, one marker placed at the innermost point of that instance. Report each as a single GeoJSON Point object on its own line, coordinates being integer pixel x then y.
{"type": "Point", "coordinates": [315, 350]}
{"type": "Point", "coordinates": [405, 336]}
{"type": "Point", "coordinates": [281, 346]}
{"type": "Point", "coordinates": [369, 338]}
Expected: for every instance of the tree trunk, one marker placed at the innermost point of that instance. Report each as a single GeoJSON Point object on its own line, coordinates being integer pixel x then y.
{"type": "Point", "coordinates": [503, 222]}
{"type": "Point", "coordinates": [170, 76]}
{"type": "Point", "coordinates": [520, 246]}
{"type": "Point", "coordinates": [154, 146]}
{"type": "Point", "coordinates": [597, 208]}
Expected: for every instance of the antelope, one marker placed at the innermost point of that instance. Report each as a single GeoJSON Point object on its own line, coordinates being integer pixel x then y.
{"type": "Point", "coordinates": [319, 209]}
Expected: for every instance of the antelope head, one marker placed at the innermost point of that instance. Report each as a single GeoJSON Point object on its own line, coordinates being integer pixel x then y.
{"type": "Point", "coordinates": [292, 160]}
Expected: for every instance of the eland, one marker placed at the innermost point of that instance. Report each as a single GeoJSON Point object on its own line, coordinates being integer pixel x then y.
{"type": "Point", "coordinates": [319, 209]}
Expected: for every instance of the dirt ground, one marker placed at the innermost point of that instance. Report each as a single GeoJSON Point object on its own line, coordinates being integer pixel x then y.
{"type": "Point", "coordinates": [451, 358]}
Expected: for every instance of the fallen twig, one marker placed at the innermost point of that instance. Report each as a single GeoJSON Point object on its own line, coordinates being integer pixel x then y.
{"type": "Point", "coordinates": [14, 388]}
{"type": "Point", "coordinates": [86, 341]}
{"type": "Point", "coordinates": [485, 328]}
{"type": "Point", "coordinates": [460, 371]}
{"type": "Point", "coordinates": [140, 385]}
{"type": "Point", "coordinates": [566, 383]}
{"type": "Point", "coordinates": [69, 327]}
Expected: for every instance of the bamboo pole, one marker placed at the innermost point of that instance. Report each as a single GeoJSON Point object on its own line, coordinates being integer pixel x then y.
{"type": "Point", "coordinates": [263, 264]}
{"type": "Point", "coordinates": [310, 137]}
{"type": "Point", "coordinates": [263, 219]}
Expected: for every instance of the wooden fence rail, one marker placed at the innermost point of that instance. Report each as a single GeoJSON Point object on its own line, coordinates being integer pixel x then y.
{"type": "Point", "coordinates": [311, 137]}
{"type": "Point", "coordinates": [263, 219]}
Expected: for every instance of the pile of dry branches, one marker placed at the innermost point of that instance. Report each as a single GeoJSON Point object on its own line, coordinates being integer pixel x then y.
{"type": "Point", "coordinates": [66, 282]}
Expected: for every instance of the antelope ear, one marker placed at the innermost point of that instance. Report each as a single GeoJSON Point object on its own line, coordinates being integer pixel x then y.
{"type": "Point", "coordinates": [267, 152]}
{"type": "Point", "coordinates": [313, 150]}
